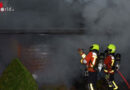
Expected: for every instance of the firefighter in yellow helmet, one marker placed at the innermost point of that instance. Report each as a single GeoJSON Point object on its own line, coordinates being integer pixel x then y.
{"type": "Point", "coordinates": [110, 65]}
{"type": "Point", "coordinates": [90, 60]}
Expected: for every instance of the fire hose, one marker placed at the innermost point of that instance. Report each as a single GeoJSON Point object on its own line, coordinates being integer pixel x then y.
{"type": "Point", "coordinates": [124, 79]}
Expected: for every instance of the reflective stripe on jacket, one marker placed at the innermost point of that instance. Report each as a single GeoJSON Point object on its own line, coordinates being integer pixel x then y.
{"type": "Point", "coordinates": [90, 58]}
{"type": "Point", "coordinates": [109, 63]}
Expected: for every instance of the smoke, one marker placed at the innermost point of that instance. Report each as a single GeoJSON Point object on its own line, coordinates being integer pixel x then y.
{"type": "Point", "coordinates": [111, 16]}
{"type": "Point", "coordinates": [41, 14]}
{"type": "Point", "coordinates": [105, 21]}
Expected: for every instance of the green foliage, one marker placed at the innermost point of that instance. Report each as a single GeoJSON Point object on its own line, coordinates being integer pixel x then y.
{"type": "Point", "coordinates": [17, 77]}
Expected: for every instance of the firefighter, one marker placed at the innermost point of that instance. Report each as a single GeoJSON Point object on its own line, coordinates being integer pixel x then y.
{"type": "Point", "coordinates": [111, 64]}
{"type": "Point", "coordinates": [90, 60]}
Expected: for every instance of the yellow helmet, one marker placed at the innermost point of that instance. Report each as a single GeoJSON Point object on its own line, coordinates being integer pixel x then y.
{"type": "Point", "coordinates": [94, 47]}
{"type": "Point", "coordinates": [112, 48]}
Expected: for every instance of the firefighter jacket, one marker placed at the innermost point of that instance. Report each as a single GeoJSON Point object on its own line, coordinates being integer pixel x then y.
{"type": "Point", "coordinates": [109, 64]}
{"type": "Point", "coordinates": [90, 60]}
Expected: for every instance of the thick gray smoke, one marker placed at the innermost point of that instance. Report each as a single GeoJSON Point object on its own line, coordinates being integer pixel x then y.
{"type": "Point", "coordinates": [105, 21]}
{"type": "Point", "coordinates": [41, 14]}
{"type": "Point", "coordinates": [111, 16]}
